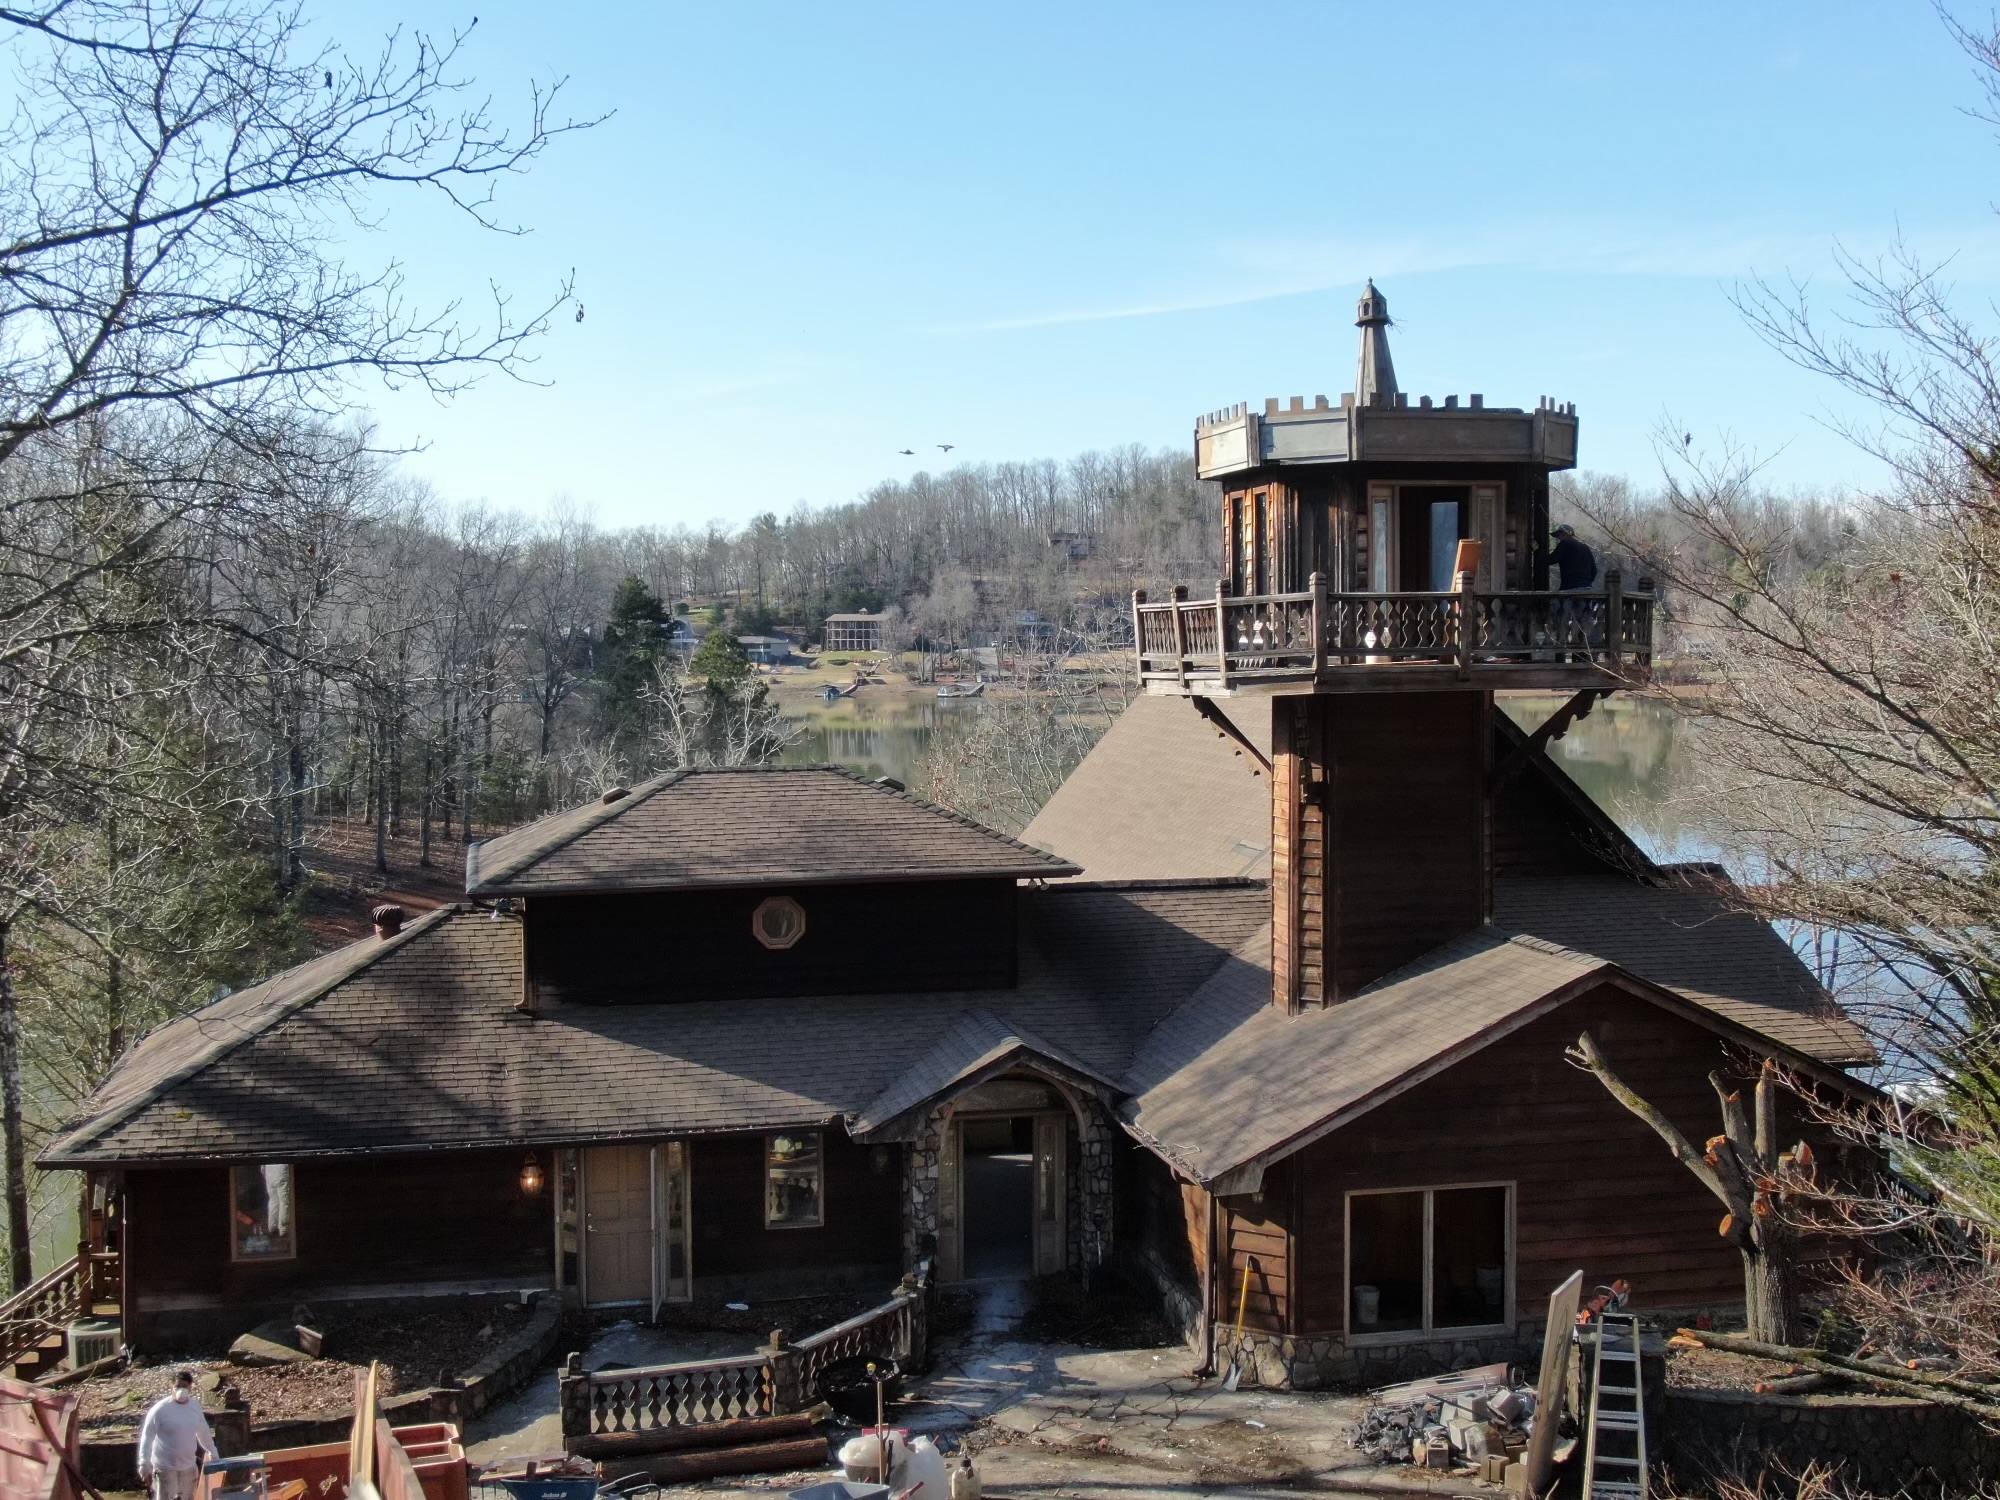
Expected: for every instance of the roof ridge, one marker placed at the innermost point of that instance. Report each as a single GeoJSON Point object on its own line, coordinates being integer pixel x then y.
{"type": "Point", "coordinates": [607, 812]}
{"type": "Point", "coordinates": [367, 952]}
{"type": "Point", "coordinates": [904, 794]}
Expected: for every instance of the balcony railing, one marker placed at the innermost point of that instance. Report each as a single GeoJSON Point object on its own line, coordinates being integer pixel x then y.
{"type": "Point", "coordinates": [1324, 637]}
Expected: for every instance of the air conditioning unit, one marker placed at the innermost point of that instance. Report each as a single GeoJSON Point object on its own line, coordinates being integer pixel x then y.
{"type": "Point", "coordinates": [93, 1339]}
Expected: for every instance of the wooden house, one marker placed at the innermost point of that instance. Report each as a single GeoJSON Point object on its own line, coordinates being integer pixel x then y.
{"type": "Point", "coordinates": [1268, 1007]}
{"type": "Point", "coordinates": [853, 632]}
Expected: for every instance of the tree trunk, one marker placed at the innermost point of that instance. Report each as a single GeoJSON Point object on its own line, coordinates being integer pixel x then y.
{"type": "Point", "coordinates": [382, 802]}
{"type": "Point", "coordinates": [20, 1242]}
{"type": "Point", "coordinates": [1770, 1288]}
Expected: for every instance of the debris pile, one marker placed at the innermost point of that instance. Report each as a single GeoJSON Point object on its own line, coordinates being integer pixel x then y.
{"type": "Point", "coordinates": [1481, 1417]}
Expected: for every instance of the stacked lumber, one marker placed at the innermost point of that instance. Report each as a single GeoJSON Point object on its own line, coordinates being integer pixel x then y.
{"type": "Point", "coordinates": [745, 1445]}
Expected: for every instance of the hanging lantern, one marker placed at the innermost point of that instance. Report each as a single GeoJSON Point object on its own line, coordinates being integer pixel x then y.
{"type": "Point", "coordinates": [531, 1175]}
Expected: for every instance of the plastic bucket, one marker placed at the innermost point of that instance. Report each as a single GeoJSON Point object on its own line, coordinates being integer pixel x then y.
{"type": "Point", "coordinates": [1367, 1306]}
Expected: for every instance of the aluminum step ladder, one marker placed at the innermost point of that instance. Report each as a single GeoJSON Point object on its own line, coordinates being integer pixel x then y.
{"type": "Point", "coordinates": [1614, 1458]}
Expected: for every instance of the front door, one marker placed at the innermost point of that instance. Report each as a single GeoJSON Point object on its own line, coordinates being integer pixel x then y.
{"type": "Point", "coordinates": [618, 1223]}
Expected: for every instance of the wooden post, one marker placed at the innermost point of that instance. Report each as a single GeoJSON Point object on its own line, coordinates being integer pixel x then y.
{"type": "Point", "coordinates": [1221, 639]}
{"type": "Point", "coordinates": [1614, 617]}
{"type": "Point", "coordinates": [573, 1398]}
{"type": "Point", "coordinates": [1466, 581]}
{"type": "Point", "coordinates": [787, 1393]}
{"type": "Point", "coordinates": [1319, 624]}
{"type": "Point", "coordinates": [1139, 631]}
{"type": "Point", "coordinates": [1549, 1386]}
{"type": "Point", "coordinates": [1180, 632]}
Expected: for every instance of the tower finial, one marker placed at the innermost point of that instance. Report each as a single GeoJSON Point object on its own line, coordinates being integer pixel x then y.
{"type": "Point", "coordinates": [1375, 377]}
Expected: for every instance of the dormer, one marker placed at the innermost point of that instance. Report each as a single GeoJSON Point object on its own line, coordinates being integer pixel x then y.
{"type": "Point", "coordinates": [752, 883]}
{"type": "Point", "coordinates": [1404, 535]}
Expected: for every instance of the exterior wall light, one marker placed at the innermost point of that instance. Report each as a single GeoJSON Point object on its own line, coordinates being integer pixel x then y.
{"type": "Point", "coordinates": [531, 1175]}
{"type": "Point", "coordinates": [778, 922]}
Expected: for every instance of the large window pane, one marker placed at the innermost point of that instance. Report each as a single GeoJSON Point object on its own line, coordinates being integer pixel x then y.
{"type": "Point", "coordinates": [260, 1212]}
{"type": "Point", "coordinates": [1385, 1262]}
{"type": "Point", "coordinates": [1468, 1257]}
{"type": "Point", "coordinates": [793, 1193]}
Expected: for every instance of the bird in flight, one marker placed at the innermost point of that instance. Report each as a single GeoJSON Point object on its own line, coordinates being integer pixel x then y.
{"type": "Point", "coordinates": [907, 452]}
{"type": "Point", "coordinates": [946, 447]}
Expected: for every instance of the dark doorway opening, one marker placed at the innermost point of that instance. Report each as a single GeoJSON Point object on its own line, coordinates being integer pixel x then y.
{"type": "Point", "coordinates": [999, 1196]}
{"type": "Point", "coordinates": [1432, 522]}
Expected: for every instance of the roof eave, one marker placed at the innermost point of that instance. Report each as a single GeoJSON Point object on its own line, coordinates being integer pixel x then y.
{"type": "Point", "coordinates": [1052, 871]}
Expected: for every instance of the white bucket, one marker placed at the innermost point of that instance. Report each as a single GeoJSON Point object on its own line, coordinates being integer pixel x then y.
{"type": "Point", "coordinates": [1367, 1306]}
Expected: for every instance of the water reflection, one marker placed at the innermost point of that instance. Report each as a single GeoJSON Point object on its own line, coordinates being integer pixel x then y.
{"type": "Point", "coordinates": [880, 734]}
{"type": "Point", "coordinates": [1629, 756]}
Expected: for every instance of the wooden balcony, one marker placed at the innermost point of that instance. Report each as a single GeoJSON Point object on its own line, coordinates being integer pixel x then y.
{"type": "Point", "coordinates": [1318, 641]}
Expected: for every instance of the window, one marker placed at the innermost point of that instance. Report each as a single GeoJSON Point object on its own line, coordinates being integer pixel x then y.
{"type": "Point", "coordinates": [778, 922]}
{"type": "Point", "coordinates": [260, 1213]}
{"type": "Point", "coordinates": [794, 1184]}
{"type": "Point", "coordinates": [1428, 1259]}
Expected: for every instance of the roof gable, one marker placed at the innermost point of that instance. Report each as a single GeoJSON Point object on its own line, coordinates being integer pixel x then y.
{"type": "Point", "coordinates": [764, 825]}
{"type": "Point", "coordinates": [979, 1047]}
{"type": "Point", "coordinates": [1227, 1083]}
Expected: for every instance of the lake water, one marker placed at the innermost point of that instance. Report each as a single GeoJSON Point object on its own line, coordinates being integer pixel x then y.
{"type": "Point", "coordinates": [1625, 755]}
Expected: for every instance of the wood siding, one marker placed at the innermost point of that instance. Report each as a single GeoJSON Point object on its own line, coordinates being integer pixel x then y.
{"type": "Point", "coordinates": [390, 1221]}
{"type": "Point", "coordinates": [897, 937]}
{"type": "Point", "coordinates": [860, 1239]}
{"type": "Point", "coordinates": [1258, 1231]}
{"type": "Point", "coordinates": [1379, 837]}
{"type": "Point", "coordinates": [1595, 1188]}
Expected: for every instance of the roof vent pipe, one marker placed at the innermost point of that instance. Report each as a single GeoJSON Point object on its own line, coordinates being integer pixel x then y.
{"type": "Point", "coordinates": [388, 921]}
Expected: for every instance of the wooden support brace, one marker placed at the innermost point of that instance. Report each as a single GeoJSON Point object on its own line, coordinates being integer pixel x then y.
{"type": "Point", "coordinates": [1207, 709]}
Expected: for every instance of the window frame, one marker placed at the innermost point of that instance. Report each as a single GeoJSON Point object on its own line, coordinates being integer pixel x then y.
{"type": "Point", "coordinates": [291, 1252]}
{"type": "Point", "coordinates": [1429, 1333]}
{"type": "Point", "coordinates": [819, 1167]}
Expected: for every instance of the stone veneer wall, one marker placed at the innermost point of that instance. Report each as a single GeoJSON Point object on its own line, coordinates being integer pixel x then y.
{"type": "Point", "coordinates": [1305, 1362]}
{"type": "Point", "coordinates": [1883, 1445]}
{"type": "Point", "coordinates": [1091, 1189]}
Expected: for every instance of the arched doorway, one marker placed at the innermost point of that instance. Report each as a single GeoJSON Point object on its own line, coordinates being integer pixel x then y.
{"type": "Point", "coordinates": [1003, 1181]}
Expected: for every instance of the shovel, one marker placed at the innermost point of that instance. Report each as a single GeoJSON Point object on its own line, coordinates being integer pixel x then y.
{"type": "Point", "coordinates": [1229, 1381]}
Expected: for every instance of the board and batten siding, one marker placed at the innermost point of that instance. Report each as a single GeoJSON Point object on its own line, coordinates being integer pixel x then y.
{"type": "Point", "coordinates": [450, 1218]}
{"type": "Point", "coordinates": [858, 1243]}
{"type": "Point", "coordinates": [888, 937]}
{"type": "Point", "coordinates": [1595, 1188]}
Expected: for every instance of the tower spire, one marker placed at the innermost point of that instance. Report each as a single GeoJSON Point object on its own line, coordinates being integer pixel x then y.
{"type": "Point", "coordinates": [1375, 377]}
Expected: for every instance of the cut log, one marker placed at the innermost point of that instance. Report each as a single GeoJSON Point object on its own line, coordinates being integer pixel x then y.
{"type": "Point", "coordinates": [735, 1433]}
{"type": "Point", "coordinates": [1891, 1380]}
{"type": "Point", "coordinates": [707, 1463]}
{"type": "Point", "coordinates": [1799, 1385]}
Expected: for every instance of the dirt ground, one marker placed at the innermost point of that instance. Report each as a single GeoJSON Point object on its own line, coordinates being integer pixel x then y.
{"type": "Point", "coordinates": [415, 1346]}
{"type": "Point", "coordinates": [1715, 1370]}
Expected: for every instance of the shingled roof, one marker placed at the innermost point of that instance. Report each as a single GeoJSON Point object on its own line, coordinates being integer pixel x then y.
{"type": "Point", "coordinates": [1229, 1081]}
{"type": "Point", "coordinates": [414, 1043]}
{"type": "Point", "coordinates": [763, 825]}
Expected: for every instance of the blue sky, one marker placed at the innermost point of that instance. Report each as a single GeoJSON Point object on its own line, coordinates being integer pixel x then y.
{"type": "Point", "coordinates": [813, 235]}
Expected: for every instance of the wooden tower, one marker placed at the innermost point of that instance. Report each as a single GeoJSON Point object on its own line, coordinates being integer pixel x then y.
{"type": "Point", "coordinates": [1386, 571]}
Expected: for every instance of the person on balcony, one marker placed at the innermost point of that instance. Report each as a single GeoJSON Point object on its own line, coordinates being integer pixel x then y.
{"type": "Point", "coordinates": [1576, 564]}
{"type": "Point", "coordinates": [172, 1440]}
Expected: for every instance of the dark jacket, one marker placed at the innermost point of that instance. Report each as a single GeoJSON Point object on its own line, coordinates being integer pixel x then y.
{"type": "Point", "coordinates": [1576, 563]}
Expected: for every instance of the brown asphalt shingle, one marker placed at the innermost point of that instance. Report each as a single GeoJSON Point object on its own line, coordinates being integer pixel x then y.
{"type": "Point", "coordinates": [423, 1049]}
{"type": "Point", "coordinates": [764, 825]}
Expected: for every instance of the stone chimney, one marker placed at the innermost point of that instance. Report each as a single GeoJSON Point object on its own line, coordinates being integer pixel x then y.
{"type": "Point", "coordinates": [388, 920]}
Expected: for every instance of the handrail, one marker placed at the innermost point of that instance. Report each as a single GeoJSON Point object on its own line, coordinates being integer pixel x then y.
{"type": "Point", "coordinates": [776, 1380]}
{"type": "Point", "coordinates": [51, 1304]}
{"type": "Point", "coordinates": [1313, 634]}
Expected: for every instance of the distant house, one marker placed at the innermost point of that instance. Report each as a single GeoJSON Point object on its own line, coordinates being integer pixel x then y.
{"type": "Point", "coordinates": [766, 650]}
{"type": "Point", "coordinates": [856, 632]}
